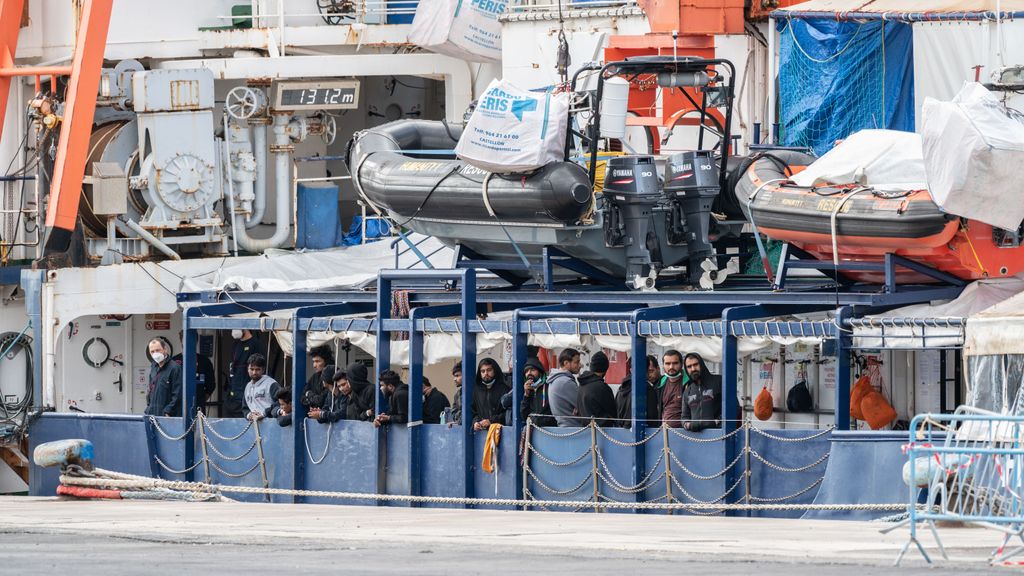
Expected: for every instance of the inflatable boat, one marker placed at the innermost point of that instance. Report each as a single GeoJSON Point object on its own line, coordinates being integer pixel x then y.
{"type": "Point", "coordinates": [630, 229]}
{"type": "Point", "coordinates": [865, 224]}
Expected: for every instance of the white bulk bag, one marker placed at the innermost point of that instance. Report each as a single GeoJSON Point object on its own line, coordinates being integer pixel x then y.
{"type": "Point", "coordinates": [466, 29]}
{"type": "Point", "coordinates": [513, 130]}
{"type": "Point", "coordinates": [973, 151]}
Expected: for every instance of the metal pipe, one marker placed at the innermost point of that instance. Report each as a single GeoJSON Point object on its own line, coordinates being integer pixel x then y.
{"type": "Point", "coordinates": [153, 240]}
{"type": "Point", "coordinates": [35, 71]}
{"type": "Point", "coordinates": [259, 145]}
{"type": "Point", "coordinates": [282, 158]}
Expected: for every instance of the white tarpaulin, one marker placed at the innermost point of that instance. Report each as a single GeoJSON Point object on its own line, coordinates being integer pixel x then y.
{"type": "Point", "coordinates": [884, 159]}
{"type": "Point", "coordinates": [973, 150]}
{"type": "Point", "coordinates": [977, 297]}
{"type": "Point", "coordinates": [336, 269]}
{"type": "Point", "coordinates": [997, 330]}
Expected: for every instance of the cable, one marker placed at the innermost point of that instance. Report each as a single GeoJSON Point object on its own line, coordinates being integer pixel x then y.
{"type": "Point", "coordinates": [12, 343]}
{"type": "Point", "coordinates": [436, 185]}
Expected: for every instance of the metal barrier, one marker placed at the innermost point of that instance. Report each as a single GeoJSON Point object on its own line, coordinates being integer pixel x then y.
{"type": "Point", "coordinates": [969, 465]}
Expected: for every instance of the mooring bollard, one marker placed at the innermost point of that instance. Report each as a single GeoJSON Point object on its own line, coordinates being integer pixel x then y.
{"type": "Point", "coordinates": [61, 453]}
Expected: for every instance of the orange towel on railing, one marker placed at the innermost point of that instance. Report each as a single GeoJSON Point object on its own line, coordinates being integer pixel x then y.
{"type": "Point", "coordinates": [490, 460]}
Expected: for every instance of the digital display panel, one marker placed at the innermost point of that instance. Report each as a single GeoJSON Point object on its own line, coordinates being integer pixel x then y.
{"type": "Point", "coordinates": [328, 95]}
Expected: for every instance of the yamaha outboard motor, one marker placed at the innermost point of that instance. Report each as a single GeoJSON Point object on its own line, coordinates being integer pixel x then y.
{"type": "Point", "coordinates": [631, 191]}
{"type": "Point", "coordinates": [691, 185]}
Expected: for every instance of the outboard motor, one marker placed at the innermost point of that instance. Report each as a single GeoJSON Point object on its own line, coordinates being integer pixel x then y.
{"type": "Point", "coordinates": [631, 191]}
{"type": "Point", "coordinates": [691, 185]}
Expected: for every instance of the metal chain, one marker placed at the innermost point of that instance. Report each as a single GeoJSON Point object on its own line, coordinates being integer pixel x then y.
{"type": "Point", "coordinates": [784, 439]}
{"type": "Point", "coordinates": [213, 447]}
{"type": "Point", "coordinates": [607, 437]}
{"type": "Point", "coordinates": [209, 428]}
{"type": "Point", "coordinates": [546, 432]}
{"type": "Point", "coordinates": [156, 425]}
{"type": "Point", "coordinates": [230, 475]}
{"type": "Point", "coordinates": [586, 479]}
{"type": "Point", "coordinates": [697, 440]}
{"type": "Point", "coordinates": [129, 481]}
{"type": "Point", "coordinates": [172, 470]}
{"type": "Point", "coordinates": [642, 485]}
{"type": "Point", "coordinates": [625, 490]}
{"type": "Point", "coordinates": [549, 462]}
{"type": "Point", "coordinates": [709, 502]}
{"type": "Point", "coordinates": [785, 469]}
{"type": "Point", "coordinates": [791, 496]}
{"type": "Point", "coordinates": [610, 499]}
{"type": "Point", "coordinates": [718, 474]}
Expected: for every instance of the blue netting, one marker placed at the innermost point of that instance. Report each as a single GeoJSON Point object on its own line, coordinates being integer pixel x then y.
{"type": "Point", "coordinates": [836, 78]}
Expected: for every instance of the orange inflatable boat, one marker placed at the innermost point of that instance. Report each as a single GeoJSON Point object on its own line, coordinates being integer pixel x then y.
{"type": "Point", "coordinates": [865, 224]}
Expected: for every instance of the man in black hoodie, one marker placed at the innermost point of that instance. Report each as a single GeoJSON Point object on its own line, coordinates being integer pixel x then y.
{"type": "Point", "coordinates": [487, 392]}
{"type": "Point", "coordinates": [397, 393]}
{"type": "Point", "coordinates": [360, 399]}
{"type": "Point", "coordinates": [535, 394]}
{"type": "Point", "coordinates": [624, 397]}
{"type": "Point", "coordinates": [595, 400]}
{"type": "Point", "coordinates": [702, 396]}
{"type": "Point", "coordinates": [434, 403]}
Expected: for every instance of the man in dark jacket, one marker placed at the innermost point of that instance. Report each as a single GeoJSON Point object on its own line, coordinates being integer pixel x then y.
{"type": "Point", "coordinates": [334, 405]}
{"type": "Point", "coordinates": [487, 392]}
{"type": "Point", "coordinates": [313, 394]}
{"type": "Point", "coordinates": [397, 393]}
{"type": "Point", "coordinates": [670, 389]}
{"type": "Point", "coordinates": [164, 398]}
{"type": "Point", "coordinates": [702, 396]}
{"type": "Point", "coordinates": [595, 400]}
{"type": "Point", "coordinates": [434, 403]}
{"type": "Point", "coordinates": [457, 400]}
{"type": "Point", "coordinates": [206, 378]}
{"type": "Point", "coordinates": [283, 410]}
{"type": "Point", "coordinates": [361, 395]}
{"type": "Point", "coordinates": [624, 397]}
{"type": "Point", "coordinates": [535, 394]}
{"type": "Point", "coordinates": [246, 344]}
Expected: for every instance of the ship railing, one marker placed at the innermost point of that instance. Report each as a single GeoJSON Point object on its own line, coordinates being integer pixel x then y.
{"type": "Point", "coordinates": [966, 467]}
{"type": "Point", "coordinates": [591, 462]}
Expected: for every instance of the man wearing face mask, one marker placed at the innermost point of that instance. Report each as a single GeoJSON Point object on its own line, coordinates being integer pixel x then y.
{"type": "Point", "coordinates": [245, 345]}
{"type": "Point", "coordinates": [490, 387]}
{"type": "Point", "coordinates": [702, 396]}
{"type": "Point", "coordinates": [671, 388]}
{"type": "Point", "coordinates": [164, 398]}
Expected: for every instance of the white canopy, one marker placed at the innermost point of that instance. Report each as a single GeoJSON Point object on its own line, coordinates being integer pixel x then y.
{"type": "Point", "coordinates": [878, 330]}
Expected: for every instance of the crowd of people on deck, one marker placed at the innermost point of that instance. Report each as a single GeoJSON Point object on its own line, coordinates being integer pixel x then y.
{"type": "Point", "coordinates": [679, 392]}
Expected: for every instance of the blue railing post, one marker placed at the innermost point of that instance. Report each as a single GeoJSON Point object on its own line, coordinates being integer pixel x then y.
{"type": "Point", "coordinates": [468, 378]}
{"type": "Point", "coordinates": [467, 310]}
{"type": "Point", "coordinates": [299, 412]}
{"type": "Point", "coordinates": [519, 353]}
{"type": "Point", "coordinates": [730, 388]}
{"type": "Point", "coordinates": [638, 368]}
{"type": "Point", "coordinates": [843, 372]}
{"type": "Point", "coordinates": [189, 342]}
{"type": "Point", "coordinates": [416, 341]}
{"type": "Point", "coordinates": [383, 363]}
{"type": "Point", "coordinates": [415, 408]}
